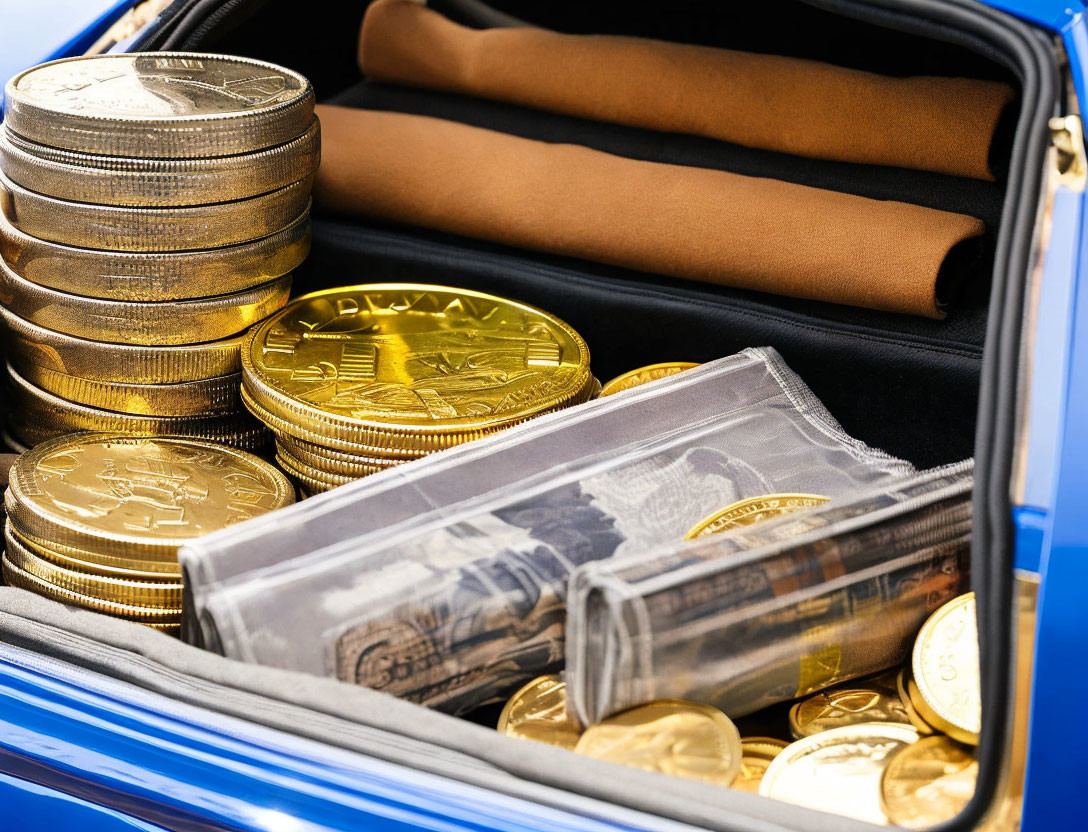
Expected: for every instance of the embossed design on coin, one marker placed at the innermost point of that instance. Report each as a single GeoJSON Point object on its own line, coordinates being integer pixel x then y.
{"type": "Point", "coordinates": [756, 756]}
{"type": "Point", "coordinates": [847, 705]}
{"type": "Point", "coordinates": [405, 357]}
{"type": "Point", "coordinates": [119, 493]}
{"type": "Point", "coordinates": [538, 712]}
{"type": "Point", "coordinates": [670, 736]}
{"type": "Point", "coordinates": [838, 770]}
{"type": "Point", "coordinates": [642, 375]}
{"type": "Point", "coordinates": [753, 510]}
{"type": "Point", "coordinates": [929, 782]}
{"type": "Point", "coordinates": [945, 670]}
{"type": "Point", "coordinates": [159, 104]}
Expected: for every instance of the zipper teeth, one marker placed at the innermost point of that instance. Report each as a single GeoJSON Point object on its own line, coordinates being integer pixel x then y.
{"type": "Point", "coordinates": [211, 21]}
{"type": "Point", "coordinates": [390, 241]}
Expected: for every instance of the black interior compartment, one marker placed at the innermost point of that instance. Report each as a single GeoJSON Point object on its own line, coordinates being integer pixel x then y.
{"type": "Point", "coordinates": [907, 385]}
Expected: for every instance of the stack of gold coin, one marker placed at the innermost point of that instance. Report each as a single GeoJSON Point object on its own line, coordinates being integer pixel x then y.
{"type": "Point", "coordinates": [358, 379]}
{"type": "Point", "coordinates": [896, 748]}
{"type": "Point", "coordinates": [95, 520]}
{"type": "Point", "coordinates": [152, 207]}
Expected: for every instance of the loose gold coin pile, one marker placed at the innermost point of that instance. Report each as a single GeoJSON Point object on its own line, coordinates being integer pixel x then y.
{"type": "Point", "coordinates": [861, 749]}
{"type": "Point", "coordinates": [95, 519]}
{"type": "Point", "coordinates": [152, 207]}
{"type": "Point", "coordinates": [358, 379]}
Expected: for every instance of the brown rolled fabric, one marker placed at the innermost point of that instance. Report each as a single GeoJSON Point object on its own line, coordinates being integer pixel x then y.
{"type": "Point", "coordinates": [803, 107]}
{"type": "Point", "coordinates": [685, 222]}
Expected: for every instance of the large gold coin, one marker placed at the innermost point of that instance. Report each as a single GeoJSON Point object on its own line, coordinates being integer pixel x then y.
{"type": "Point", "coordinates": [161, 323]}
{"type": "Point", "coordinates": [125, 567]}
{"type": "Point", "coordinates": [875, 700]}
{"type": "Point", "coordinates": [652, 372]}
{"type": "Point", "coordinates": [406, 367]}
{"type": "Point", "coordinates": [756, 755]}
{"type": "Point", "coordinates": [37, 416]}
{"type": "Point", "coordinates": [155, 593]}
{"type": "Point", "coordinates": [27, 343]}
{"type": "Point", "coordinates": [15, 576]}
{"type": "Point", "coordinates": [670, 736]}
{"type": "Point", "coordinates": [753, 510]}
{"type": "Point", "coordinates": [167, 105]}
{"type": "Point", "coordinates": [928, 783]}
{"type": "Point", "coordinates": [945, 671]}
{"type": "Point", "coordinates": [87, 225]}
{"type": "Point", "coordinates": [538, 711]}
{"type": "Point", "coordinates": [155, 276]}
{"type": "Point", "coordinates": [140, 181]}
{"type": "Point", "coordinates": [839, 770]}
{"type": "Point", "coordinates": [185, 398]}
{"type": "Point", "coordinates": [143, 498]}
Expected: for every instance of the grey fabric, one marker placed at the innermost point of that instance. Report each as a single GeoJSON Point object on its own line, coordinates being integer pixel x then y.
{"type": "Point", "coordinates": [378, 725]}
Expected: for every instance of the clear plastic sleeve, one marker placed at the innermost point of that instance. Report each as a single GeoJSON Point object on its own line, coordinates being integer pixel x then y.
{"type": "Point", "coordinates": [764, 614]}
{"type": "Point", "coordinates": [461, 596]}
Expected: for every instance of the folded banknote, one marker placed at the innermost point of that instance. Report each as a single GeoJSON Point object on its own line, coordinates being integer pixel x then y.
{"type": "Point", "coordinates": [759, 615]}
{"type": "Point", "coordinates": [455, 604]}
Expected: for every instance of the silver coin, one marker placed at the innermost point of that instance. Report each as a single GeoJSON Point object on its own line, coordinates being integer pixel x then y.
{"type": "Point", "coordinates": [159, 104]}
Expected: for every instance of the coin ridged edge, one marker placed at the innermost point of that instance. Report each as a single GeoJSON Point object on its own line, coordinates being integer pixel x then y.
{"type": "Point", "coordinates": [155, 275]}
{"type": "Point", "coordinates": [15, 576]}
{"type": "Point", "coordinates": [179, 136]}
{"type": "Point", "coordinates": [186, 398]}
{"type": "Point", "coordinates": [166, 323]}
{"type": "Point", "coordinates": [345, 467]}
{"type": "Point", "coordinates": [84, 560]}
{"type": "Point", "coordinates": [128, 363]}
{"type": "Point", "coordinates": [27, 515]}
{"type": "Point", "coordinates": [128, 591]}
{"type": "Point", "coordinates": [162, 229]}
{"type": "Point", "coordinates": [616, 385]}
{"type": "Point", "coordinates": [142, 181]}
{"type": "Point", "coordinates": [373, 440]}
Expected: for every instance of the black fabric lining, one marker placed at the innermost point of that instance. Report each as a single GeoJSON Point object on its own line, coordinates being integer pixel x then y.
{"type": "Point", "coordinates": [924, 410]}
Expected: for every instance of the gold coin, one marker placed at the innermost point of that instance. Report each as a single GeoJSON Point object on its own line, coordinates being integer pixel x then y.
{"type": "Point", "coordinates": [128, 496]}
{"type": "Point", "coordinates": [847, 704]}
{"type": "Point", "coordinates": [670, 736]}
{"type": "Point", "coordinates": [411, 366]}
{"type": "Point", "coordinates": [161, 593]}
{"type": "Point", "coordinates": [140, 181]}
{"type": "Point", "coordinates": [311, 478]}
{"type": "Point", "coordinates": [86, 560]}
{"type": "Point", "coordinates": [14, 576]}
{"type": "Point", "coordinates": [161, 323]}
{"type": "Point", "coordinates": [756, 756]}
{"type": "Point", "coordinates": [538, 711]}
{"type": "Point", "coordinates": [838, 770]}
{"type": "Point", "coordinates": [155, 276]}
{"type": "Point", "coordinates": [331, 461]}
{"type": "Point", "coordinates": [27, 343]}
{"type": "Point", "coordinates": [928, 782]}
{"type": "Point", "coordinates": [642, 375]}
{"type": "Point", "coordinates": [902, 682]}
{"type": "Point", "coordinates": [167, 105]}
{"type": "Point", "coordinates": [185, 398]}
{"type": "Point", "coordinates": [944, 669]}
{"type": "Point", "coordinates": [753, 510]}
{"type": "Point", "coordinates": [37, 416]}
{"type": "Point", "coordinates": [87, 225]}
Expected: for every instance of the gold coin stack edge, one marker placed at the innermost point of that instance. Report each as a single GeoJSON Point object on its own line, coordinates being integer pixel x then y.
{"type": "Point", "coordinates": [121, 558]}
{"type": "Point", "coordinates": [358, 379]}
{"type": "Point", "coordinates": [174, 241]}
